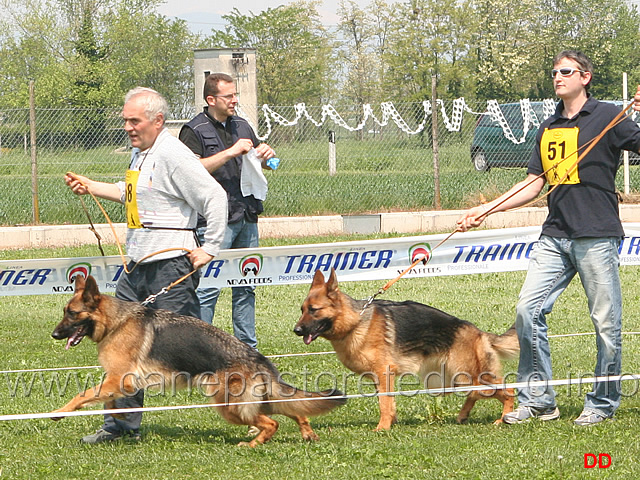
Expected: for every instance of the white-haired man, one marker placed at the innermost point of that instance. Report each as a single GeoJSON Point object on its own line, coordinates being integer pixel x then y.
{"type": "Point", "coordinates": [165, 188]}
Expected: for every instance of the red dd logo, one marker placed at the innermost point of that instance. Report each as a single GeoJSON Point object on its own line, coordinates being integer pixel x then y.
{"type": "Point", "coordinates": [251, 263]}
{"type": "Point", "coordinates": [602, 460]}
{"type": "Point", "coordinates": [420, 251]}
{"type": "Point", "coordinates": [83, 269]}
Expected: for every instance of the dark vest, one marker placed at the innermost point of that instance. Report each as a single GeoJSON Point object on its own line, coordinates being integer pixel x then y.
{"type": "Point", "coordinates": [228, 175]}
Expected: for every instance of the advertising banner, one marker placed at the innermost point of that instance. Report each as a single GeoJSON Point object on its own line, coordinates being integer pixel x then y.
{"type": "Point", "coordinates": [480, 251]}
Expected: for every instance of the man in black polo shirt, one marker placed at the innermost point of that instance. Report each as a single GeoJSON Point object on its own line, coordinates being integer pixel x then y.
{"type": "Point", "coordinates": [220, 139]}
{"type": "Point", "coordinates": [580, 235]}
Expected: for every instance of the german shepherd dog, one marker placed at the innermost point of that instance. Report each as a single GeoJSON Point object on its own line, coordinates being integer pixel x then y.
{"type": "Point", "coordinates": [396, 338]}
{"type": "Point", "coordinates": [137, 346]}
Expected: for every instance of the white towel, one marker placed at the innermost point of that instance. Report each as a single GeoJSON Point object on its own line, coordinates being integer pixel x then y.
{"type": "Point", "coordinates": [252, 180]}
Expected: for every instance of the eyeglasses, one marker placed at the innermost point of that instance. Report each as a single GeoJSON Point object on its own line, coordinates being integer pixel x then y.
{"type": "Point", "coordinates": [229, 97]}
{"type": "Point", "coordinates": [565, 72]}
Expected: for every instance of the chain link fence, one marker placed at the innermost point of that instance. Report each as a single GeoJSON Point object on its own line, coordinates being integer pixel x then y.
{"type": "Point", "coordinates": [341, 159]}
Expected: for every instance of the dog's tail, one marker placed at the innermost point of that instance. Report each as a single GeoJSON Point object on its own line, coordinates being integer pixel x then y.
{"type": "Point", "coordinates": [507, 345]}
{"type": "Point", "coordinates": [298, 402]}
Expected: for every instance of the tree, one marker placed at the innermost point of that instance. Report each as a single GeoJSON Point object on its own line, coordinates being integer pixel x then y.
{"type": "Point", "coordinates": [516, 42]}
{"type": "Point", "coordinates": [363, 36]}
{"type": "Point", "coordinates": [33, 46]}
{"type": "Point", "coordinates": [88, 53]}
{"type": "Point", "coordinates": [430, 37]}
{"type": "Point", "coordinates": [605, 30]}
{"type": "Point", "coordinates": [506, 48]}
{"type": "Point", "coordinates": [148, 49]}
{"type": "Point", "coordinates": [292, 50]}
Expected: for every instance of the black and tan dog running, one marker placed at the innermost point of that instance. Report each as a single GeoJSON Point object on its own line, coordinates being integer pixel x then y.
{"type": "Point", "coordinates": [139, 346]}
{"type": "Point", "coordinates": [392, 339]}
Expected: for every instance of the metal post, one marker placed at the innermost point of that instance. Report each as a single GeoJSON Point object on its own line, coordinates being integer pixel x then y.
{"type": "Point", "coordinates": [34, 158]}
{"type": "Point", "coordinates": [434, 135]}
{"type": "Point", "coordinates": [332, 153]}
{"type": "Point", "coordinates": [625, 102]}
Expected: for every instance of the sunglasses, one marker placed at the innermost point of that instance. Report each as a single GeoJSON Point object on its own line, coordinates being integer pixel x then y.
{"type": "Point", "coordinates": [565, 72]}
{"type": "Point", "coordinates": [229, 97]}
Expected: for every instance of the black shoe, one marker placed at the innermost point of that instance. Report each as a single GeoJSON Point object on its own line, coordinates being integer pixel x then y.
{"type": "Point", "coordinates": [103, 436]}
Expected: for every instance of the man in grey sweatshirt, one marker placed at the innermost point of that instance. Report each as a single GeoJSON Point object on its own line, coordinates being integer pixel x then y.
{"type": "Point", "coordinates": [165, 188]}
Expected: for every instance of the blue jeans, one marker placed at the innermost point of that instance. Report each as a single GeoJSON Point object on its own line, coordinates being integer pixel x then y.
{"type": "Point", "coordinates": [241, 234]}
{"type": "Point", "coordinates": [554, 262]}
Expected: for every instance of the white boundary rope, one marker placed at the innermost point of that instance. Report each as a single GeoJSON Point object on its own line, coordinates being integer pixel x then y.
{"type": "Point", "coordinates": [405, 393]}
{"type": "Point", "coordinates": [282, 355]}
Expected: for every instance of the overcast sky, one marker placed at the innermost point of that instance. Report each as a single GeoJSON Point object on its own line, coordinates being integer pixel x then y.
{"type": "Point", "coordinates": [202, 16]}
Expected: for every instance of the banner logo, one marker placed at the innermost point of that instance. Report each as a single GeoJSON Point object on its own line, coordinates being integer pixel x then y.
{"type": "Point", "coordinates": [420, 251]}
{"type": "Point", "coordinates": [251, 263]}
{"type": "Point", "coordinates": [82, 269]}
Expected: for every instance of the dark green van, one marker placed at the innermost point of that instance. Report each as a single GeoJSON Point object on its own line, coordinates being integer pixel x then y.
{"type": "Point", "coordinates": [491, 147]}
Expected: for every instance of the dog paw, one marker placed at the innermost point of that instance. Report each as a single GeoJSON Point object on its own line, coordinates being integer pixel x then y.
{"type": "Point", "coordinates": [311, 437]}
{"type": "Point", "coordinates": [251, 444]}
{"type": "Point", "coordinates": [382, 428]}
{"type": "Point", "coordinates": [462, 421]}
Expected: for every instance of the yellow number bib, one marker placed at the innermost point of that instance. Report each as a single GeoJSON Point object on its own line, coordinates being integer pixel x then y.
{"type": "Point", "coordinates": [559, 149]}
{"type": "Point", "coordinates": [130, 202]}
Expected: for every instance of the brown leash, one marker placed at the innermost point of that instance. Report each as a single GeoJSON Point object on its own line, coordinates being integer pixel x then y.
{"type": "Point", "coordinates": [150, 298]}
{"type": "Point", "coordinates": [590, 144]}
{"type": "Point", "coordinates": [92, 227]}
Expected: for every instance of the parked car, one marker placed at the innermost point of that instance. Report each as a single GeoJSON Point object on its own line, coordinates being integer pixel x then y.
{"type": "Point", "coordinates": [491, 148]}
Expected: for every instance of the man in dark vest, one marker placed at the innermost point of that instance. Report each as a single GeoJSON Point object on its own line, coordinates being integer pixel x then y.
{"type": "Point", "coordinates": [220, 138]}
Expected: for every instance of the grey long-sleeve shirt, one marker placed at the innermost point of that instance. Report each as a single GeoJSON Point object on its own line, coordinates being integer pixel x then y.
{"type": "Point", "coordinates": [172, 188]}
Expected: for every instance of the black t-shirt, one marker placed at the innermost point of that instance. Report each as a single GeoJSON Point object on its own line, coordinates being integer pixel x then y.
{"type": "Point", "coordinates": [586, 203]}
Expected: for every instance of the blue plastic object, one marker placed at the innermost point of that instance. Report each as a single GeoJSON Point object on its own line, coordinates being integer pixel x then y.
{"type": "Point", "coordinates": [273, 163]}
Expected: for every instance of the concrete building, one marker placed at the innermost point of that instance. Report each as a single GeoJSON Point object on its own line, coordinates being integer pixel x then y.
{"type": "Point", "coordinates": [240, 63]}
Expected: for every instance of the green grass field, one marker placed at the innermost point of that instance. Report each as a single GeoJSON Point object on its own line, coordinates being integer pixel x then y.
{"type": "Point", "coordinates": [426, 443]}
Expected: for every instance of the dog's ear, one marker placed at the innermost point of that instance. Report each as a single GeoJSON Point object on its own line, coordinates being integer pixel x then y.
{"type": "Point", "coordinates": [91, 294]}
{"type": "Point", "coordinates": [318, 279]}
{"type": "Point", "coordinates": [332, 283]}
{"type": "Point", "coordinates": [79, 282]}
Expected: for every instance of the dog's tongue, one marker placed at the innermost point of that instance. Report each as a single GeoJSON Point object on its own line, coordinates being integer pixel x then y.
{"type": "Point", "coordinates": [307, 339]}
{"type": "Point", "coordinates": [74, 339]}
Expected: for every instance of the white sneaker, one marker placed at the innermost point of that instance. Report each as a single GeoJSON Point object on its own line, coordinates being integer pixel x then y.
{"type": "Point", "coordinates": [524, 414]}
{"type": "Point", "coordinates": [589, 417]}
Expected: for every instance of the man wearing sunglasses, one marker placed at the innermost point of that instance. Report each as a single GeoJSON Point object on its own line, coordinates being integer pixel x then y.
{"type": "Point", "coordinates": [580, 235]}
{"type": "Point", "coordinates": [220, 138]}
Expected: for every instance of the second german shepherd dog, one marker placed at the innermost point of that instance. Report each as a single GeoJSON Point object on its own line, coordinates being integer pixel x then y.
{"type": "Point", "coordinates": [395, 338]}
{"type": "Point", "coordinates": [139, 346]}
